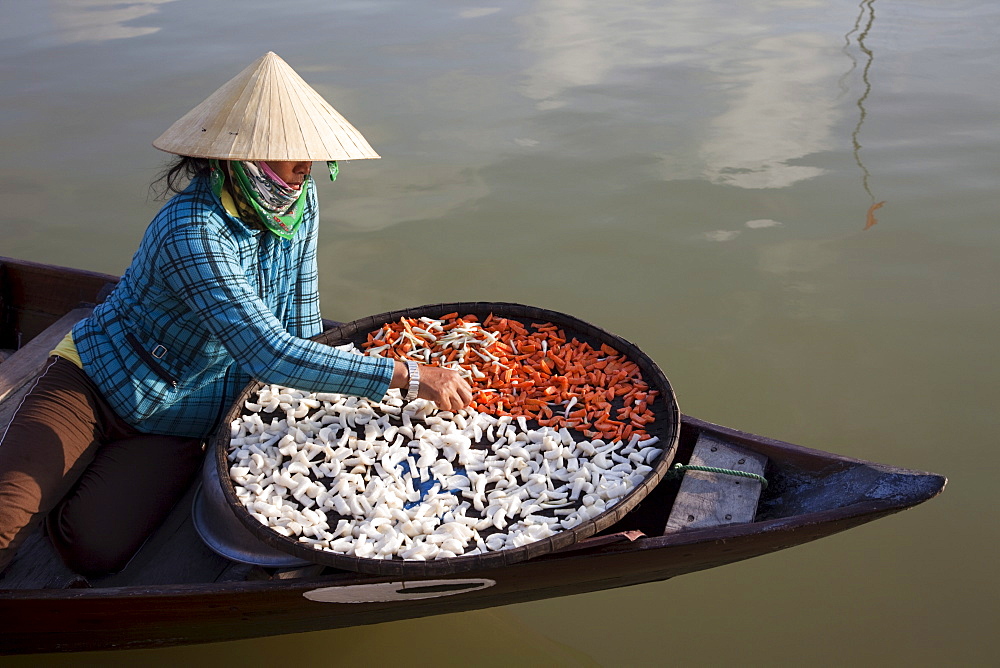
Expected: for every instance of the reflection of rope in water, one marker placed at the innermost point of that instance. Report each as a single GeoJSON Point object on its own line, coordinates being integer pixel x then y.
{"type": "Point", "coordinates": [842, 83]}
{"type": "Point", "coordinates": [866, 8]}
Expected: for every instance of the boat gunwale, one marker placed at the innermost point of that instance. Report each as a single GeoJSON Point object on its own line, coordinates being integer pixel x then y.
{"type": "Point", "coordinates": [56, 269]}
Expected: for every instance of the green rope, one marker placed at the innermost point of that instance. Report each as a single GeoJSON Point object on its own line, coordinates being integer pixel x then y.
{"type": "Point", "coordinates": [679, 469]}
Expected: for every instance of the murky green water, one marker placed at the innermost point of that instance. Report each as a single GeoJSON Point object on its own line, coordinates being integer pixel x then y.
{"type": "Point", "coordinates": [693, 175]}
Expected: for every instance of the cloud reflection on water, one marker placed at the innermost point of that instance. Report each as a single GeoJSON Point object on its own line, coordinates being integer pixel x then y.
{"type": "Point", "coordinates": [777, 85]}
{"type": "Point", "coordinates": [783, 109]}
{"type": "Point", "coordinates": [573, 48]}
{"type": "Point", "coordinates": [101, 20]}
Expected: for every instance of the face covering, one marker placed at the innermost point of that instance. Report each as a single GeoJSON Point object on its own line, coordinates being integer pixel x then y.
{"type": "Point", "coordinates": [278, 205]}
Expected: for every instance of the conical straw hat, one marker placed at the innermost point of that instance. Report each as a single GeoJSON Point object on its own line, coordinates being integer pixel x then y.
{"type": "Point", "coordinates": [266, 112]}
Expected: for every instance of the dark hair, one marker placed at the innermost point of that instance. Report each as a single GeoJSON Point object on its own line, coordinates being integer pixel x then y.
{"type": "Point", "coordinates": [176, 175]}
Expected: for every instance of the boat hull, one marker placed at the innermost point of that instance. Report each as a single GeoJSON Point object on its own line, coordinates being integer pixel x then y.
{"type": "Point", "coordinates": [161, 616]}
{"type": "Point", "coordinates": [832, 494]}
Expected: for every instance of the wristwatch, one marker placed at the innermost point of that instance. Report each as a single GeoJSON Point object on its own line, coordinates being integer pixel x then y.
{"type": "Point", "coordinates": [414, 386]}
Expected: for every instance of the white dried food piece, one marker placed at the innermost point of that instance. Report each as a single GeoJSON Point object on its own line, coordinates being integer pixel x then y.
{"type": "Point", "coordinates": [403, 480]}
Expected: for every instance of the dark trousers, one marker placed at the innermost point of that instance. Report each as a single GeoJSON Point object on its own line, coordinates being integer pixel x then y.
{"type": "Point", "coordinates": [103, 485]}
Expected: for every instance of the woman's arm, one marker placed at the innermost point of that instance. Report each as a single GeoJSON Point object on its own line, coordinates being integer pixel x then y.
{"type": "Point", "coordinates": [202, 268]}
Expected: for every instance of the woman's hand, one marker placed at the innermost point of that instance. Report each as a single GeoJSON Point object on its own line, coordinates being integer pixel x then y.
{"type": "Point", "coordinates": [443, 386]}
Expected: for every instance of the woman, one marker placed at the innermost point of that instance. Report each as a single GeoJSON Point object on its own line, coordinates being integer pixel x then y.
{"type": "Point", "coordinates": [222, 289]}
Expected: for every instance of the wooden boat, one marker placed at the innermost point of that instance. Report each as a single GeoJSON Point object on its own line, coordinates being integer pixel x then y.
{"type": "Point", "coordinates": [176, 590]}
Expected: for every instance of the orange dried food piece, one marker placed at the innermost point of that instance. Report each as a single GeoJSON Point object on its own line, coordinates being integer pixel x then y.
{"type": "Point", "coordinates": [537, 374]}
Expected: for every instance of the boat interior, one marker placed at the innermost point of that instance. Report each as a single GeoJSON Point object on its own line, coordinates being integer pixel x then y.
{"type": "Point", "coordinates": [38, 306]}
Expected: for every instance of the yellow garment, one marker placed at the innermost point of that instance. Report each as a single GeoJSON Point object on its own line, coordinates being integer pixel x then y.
{"type": "Point", "coordinates": [67, 349]}
{"type": "Point", "coordinates": [227, 201]}
{"type": "Point", "coordinates": [248, 217]}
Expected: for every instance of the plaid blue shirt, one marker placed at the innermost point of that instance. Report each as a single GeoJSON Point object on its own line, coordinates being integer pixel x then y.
{"type": "Point", "coordinates": [206, 305]}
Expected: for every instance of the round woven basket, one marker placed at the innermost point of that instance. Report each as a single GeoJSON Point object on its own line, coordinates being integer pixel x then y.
{"type": "Point", "coordinates": [666, 427]}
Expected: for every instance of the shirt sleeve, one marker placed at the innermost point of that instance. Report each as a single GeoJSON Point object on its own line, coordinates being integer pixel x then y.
{"type": "Point", "coordinates": [202, 269]}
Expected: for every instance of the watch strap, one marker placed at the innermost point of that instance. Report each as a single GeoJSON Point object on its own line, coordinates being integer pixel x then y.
{"type": "Point", "coordinates": [414, 386]}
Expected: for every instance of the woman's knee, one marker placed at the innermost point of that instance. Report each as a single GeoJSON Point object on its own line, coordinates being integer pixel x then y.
{"type": "Point", "coordinates": [87, 546]}
{"type": "Point", "coordinates": [120, 500]}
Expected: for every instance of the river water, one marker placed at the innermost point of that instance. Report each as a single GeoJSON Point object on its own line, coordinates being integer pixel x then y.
{"type": "Point", "coordinates": [790, 205]}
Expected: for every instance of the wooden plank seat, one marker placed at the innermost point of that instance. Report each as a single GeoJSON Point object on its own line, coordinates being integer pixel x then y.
{"type": "Point", "coordinates": [23, 365]}
{"type": "Point", "coordinates": [708, 499]}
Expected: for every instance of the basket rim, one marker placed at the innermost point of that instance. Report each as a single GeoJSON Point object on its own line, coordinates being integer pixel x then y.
{"type": "Point", "coordinates": [667, 425]}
